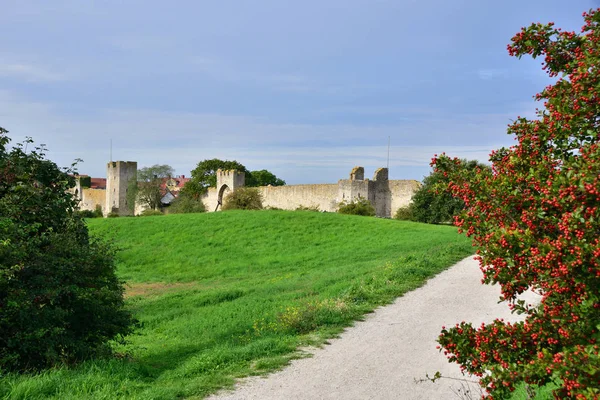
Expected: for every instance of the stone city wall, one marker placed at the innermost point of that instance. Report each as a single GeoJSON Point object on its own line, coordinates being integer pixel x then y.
{"type": "Point", "coordinates": [402, 192]}
{"type": "Point", "coordinates": [290, 197]}
{"type": "Point", "coordinates": [210, 199]}
{"type": "Point", "coordinates": [385, 195]}
{"type": "Point", "coordinates": [91, 198]}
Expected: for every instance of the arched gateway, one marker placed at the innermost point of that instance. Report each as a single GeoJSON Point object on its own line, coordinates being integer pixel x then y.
{"type": "Point", "coordinates": [228, 180]}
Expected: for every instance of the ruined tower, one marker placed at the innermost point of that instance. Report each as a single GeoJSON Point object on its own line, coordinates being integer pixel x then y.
{"type": "Point", "coordinates": [377, 190]}
{"type": "Point", "coordinates": [119, 174]}
{"type": "Point", "coordinates": [227, 181]}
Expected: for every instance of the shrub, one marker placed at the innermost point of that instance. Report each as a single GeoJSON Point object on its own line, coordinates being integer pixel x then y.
{"type": "Point", "coordinates": [86, 213]}
{"type": "Point", "coordinates": [360, 206]}
{"type": "Point", "coordinates": [113, 214]}
{"type": "Point", "coordinates": [536, 221]}
{"type": "Point", "coordinates": [404, 214]}
{"type": "Point", "coordinates": [244, 198]}
{"type": "Point", "coordinates": [60, 300]}
{"type": "Point", "coordinates": [186, 204]}
{"type": "Point", "coordinates": [150, 213]}
{"type": "Point", "coordinates": [307, 208]}
{"type": "Point", "coordinates": [85, 182]}
{"type": "Point", "coordinates": [97, 213]}
{"type": "Point", "coordinates": [432, 203]}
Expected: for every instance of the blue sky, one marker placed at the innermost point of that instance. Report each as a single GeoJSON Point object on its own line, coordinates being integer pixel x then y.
{"type": "Point", "coordinates": [306, 89]}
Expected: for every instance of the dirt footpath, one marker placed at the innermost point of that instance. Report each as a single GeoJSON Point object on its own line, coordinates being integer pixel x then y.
{"type": "Point", "coordinates": [381, 357]}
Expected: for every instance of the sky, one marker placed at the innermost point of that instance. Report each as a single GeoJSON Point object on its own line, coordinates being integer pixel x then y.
{"type": "Point", "coordinates": [306, 89]}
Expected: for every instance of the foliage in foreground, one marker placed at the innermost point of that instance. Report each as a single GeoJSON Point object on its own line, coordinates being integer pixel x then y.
{"type": "Point", "coordinates": [60, 300]}
{"type": "Point", "coordinates": [228, 294]}
{"type": "Point", "coordinates": [244, 198]}
{"type": "Point", "coordinates": [360, 206]}
{"type": "Point", "coordinates": [536, 219]}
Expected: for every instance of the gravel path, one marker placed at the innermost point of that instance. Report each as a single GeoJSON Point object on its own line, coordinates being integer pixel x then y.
{"type": "Point", "coordinates": [380, 357]}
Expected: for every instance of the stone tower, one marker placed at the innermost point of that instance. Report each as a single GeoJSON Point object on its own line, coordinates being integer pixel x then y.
{"type": "Point", "coordinates": [119, 174]}
{"type": "Point", "coordinates": [377, 191]}
{"type": "Point", "coordinates": [227, 181]}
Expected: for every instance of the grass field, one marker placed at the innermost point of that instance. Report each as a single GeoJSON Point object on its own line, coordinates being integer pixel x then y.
{"type": "Point", "coordinates": [230, 294]}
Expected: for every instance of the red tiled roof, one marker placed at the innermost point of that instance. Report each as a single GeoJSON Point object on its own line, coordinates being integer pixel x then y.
{"type": "Point", "coordinates": [98, 183]}
{"type": "Point", "coordinates": [180, 181]}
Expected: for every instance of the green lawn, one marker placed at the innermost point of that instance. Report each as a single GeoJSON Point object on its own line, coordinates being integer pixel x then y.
{"type": "Point", "coordinates": [229, 294]}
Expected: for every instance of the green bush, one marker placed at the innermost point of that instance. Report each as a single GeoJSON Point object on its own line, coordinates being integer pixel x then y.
{"type": "Point", "coordinates": [113, 214]}
{"type": "Point", "coordinates": [86, 214]}
{"type": "Point", "coordinates": [97, 213]}
{"type": "Point", "coordinates": [433, 203]}
{"type": "Point", "coordinates": [60, 300]}
{"type": "Point", "coordinates": [307, 208]}
{"type": "Point", "coordinates": [404, 214]}
{"type": "Point", "coordinates": [360, 206]}
{"type": "Point", "coordinates": [186, 204]}
{"type": "Point", "coordinates": [244, 198]}
{"type": "Point", "coordinates": [85, 182]}
{"type": "Point", "coordinates": [150, 213]}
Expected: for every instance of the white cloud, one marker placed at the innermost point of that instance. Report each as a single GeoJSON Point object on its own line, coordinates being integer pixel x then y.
{"type": "Point", "coordinates": [299, 153]}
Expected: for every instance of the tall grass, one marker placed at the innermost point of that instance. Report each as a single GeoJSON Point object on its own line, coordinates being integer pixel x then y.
{"type": "Point", "coordinates": [230, 294]}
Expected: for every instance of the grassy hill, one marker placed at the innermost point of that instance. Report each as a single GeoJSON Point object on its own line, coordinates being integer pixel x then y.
{"type": "Point", "coordinates": [228, 294]}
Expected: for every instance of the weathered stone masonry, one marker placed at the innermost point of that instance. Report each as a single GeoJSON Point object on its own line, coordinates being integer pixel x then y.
{"type": "Point", "coordinates": [114, 197]}
{"type": "Point", "coordinates": [385, 195]}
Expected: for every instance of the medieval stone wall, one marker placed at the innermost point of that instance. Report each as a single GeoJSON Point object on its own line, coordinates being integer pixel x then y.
{"type": "Point", "coordinates": [91, 198]}
{"type": "Point", "coordinates": [385, 195]}
{"type": "Point", "coordinates": [290, 197]}
{"type": "Point", "coordinates": [211, 199]}
{"type": "Point", "coordinates": [402, 193]}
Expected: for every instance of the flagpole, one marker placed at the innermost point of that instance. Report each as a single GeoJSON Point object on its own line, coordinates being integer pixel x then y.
{"type": "Point", "coordinates": [388, 158]}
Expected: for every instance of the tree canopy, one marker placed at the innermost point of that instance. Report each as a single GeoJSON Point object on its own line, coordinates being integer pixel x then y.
{"type": "Point", "coordinates": [205, 176]}
{"type": "Point", "coordinates": [148, 186]}
{"type": "Point", "coordinates": [60, 299]}
{"type": "Point", "coordinates": [433, 203]}
{"type": "Point", "coordinates": [263, 178]}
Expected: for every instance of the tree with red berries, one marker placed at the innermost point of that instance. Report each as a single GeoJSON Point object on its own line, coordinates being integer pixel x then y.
{"type": "Point", "coordinates": [535, 219]}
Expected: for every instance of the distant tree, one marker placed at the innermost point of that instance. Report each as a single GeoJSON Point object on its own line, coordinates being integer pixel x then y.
{"type": "Point", "coordinates": [205, 175]}
{"type": "Point", "coordinates": [263, 178]}
{"type": "Point", "coordinates": [149, 181]}
{"type": "Point", "coordinates": [433, 203]}
{"type": "Point", "coordinates": [60, 299]}
{"type": "Point", "coordinates": [244, 198]}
